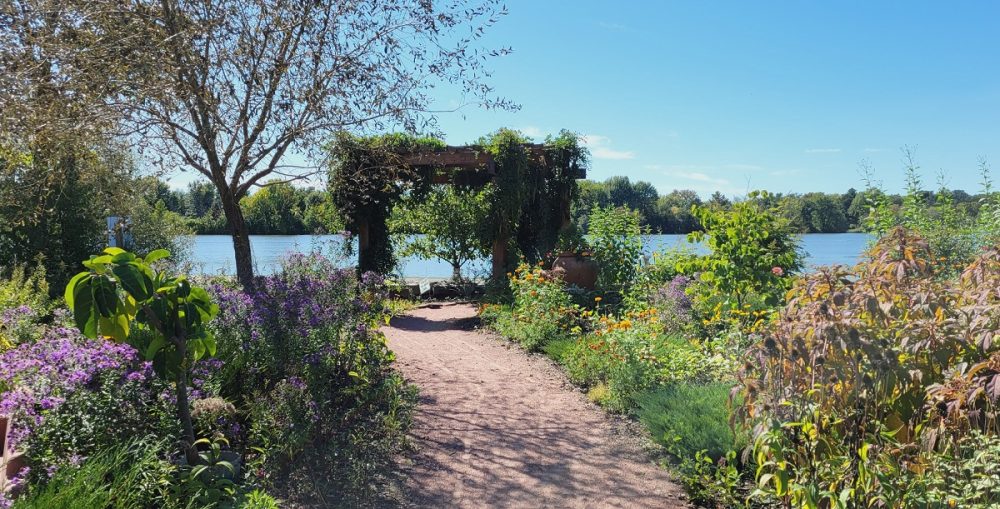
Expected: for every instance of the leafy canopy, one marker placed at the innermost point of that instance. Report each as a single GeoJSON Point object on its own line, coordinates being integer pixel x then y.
{"type": "Point", "coordinates": [443, 225]}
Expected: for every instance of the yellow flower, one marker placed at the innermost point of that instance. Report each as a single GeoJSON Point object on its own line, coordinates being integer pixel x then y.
{"type": "Point", "coordinates": [597, 299]}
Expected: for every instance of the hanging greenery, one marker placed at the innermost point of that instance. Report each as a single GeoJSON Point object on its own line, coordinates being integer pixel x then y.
{"type": "Point", "coordinates": [367, 176]}
{"type": "Point", "coordinates": [563, 157]}
{"type": "Point", "coordinates": [507, 192]}
{"type": "Point", "coordinates": [528, 198]}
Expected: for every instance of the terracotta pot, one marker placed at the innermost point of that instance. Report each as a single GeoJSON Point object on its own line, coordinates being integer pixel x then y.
{"type": "Point", "coordinates": [576, 269]}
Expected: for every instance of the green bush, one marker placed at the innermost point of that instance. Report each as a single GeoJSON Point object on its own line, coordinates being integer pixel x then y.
{"type": "Point", "coordinates": [542, 311]}
{"type": "Point", "coordinates": [687, 418]}
{"type": "Point", "coordinates": [616, 238]}
{"type": "Point", "coordinates": [558, 349]}
{"type": "Point", "coordinates": [22, 287]}
{"type": "Point", "coordinates": [632, 355]}
{"type": "Point", "coordinates": [872, 372]}
{"type": "Point", "coordinates": [310, 371]}
{"type": "Point", "coordinates": [966, 477]}
{"type": "Point", "coordinates": [746, 274]}
{"type": "Point", "coordinates": [954, 233]}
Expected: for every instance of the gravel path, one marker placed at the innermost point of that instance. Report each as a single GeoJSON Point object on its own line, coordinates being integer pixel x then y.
{"type": "Point", "coordinates": [496, 427]}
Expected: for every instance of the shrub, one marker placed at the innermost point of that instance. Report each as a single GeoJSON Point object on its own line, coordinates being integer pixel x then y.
{"type": "Point", "coordinates": [71, 397]}
{"type": "Point", "coordinates": [632, 355]}
{"type": "Point", "coordinates": [309, 368]}
{"type": "Point", "coordinates": [952, 232]}
{"type": "Point", "coordinates": [616, 238]}
{"type": "Point", "coordinates": [559, 349]}
{"type": "Point", "coordinates": [25, 288]}
{"type": "Point", "coordinates": [687, 418]}
{"type": "Point", "coordinates": [18, 325]}
{"type": "Point", "coordinates": [746, 274]}
{"type": "Point", "coordinates": [674, 304]}
{"type": "Point", "coordinates": [871, 370]}
{"type": "Point", "coordinates": [542, 311]}
{"type": "Point", "coordinates": [661, 270]}
{"type": "Point", "coordinates": [964, 477]}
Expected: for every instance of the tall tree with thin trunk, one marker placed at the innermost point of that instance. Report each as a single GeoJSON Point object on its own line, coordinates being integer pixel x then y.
{"type": "Point", "coordinates": [247, 91]}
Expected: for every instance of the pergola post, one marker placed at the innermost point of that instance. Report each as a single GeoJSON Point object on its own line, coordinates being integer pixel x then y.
{"type": "Point", "coordinates": [468, 166]}
{"type": "Point", "coordinates": [499, 256]}
{"type": "Point", "coordinates": [364, 242]}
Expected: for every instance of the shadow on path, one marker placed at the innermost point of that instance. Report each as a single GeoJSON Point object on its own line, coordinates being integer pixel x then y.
{"type": "Point", "coordinates": [496, 427]}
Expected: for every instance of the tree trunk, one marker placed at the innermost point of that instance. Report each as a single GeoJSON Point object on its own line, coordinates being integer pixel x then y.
{"type": "Point", "coordinates": [184, 411]}
{"type": "Point", "coordinates": [456, 272]}
{"type": "Point", "coordinates": [241, 236]}
{"type": "Point", "coordinates": [500, 258]}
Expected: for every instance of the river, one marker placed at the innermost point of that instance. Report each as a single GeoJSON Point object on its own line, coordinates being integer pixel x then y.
{"type": "Point", "coordinates": [213, 254]}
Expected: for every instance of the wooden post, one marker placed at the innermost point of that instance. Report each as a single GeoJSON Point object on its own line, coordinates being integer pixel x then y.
{"type": "Point", "coordinates": [363, 244]}
{"type": "Point", "coordinates": [500, 259]}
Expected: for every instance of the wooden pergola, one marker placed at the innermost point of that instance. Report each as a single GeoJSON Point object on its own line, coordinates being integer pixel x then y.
{"type": "Point", "coordinates": [474, 167]}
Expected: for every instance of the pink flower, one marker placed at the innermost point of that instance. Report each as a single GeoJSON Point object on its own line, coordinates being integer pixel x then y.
{"type": "Point", "coordinates": [777, 271]}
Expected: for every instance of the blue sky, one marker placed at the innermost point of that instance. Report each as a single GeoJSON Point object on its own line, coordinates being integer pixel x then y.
{"type": "Point", "coordinates": [733, 96]}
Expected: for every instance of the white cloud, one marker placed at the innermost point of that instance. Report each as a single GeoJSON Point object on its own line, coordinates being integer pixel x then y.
{"type": "Point", "coordinates": [600, 148]}
{"type": "Point", "coordinates": [822, 150]}
{"type": "Point", "coordinates": [698, 176]}
{"type": "Point", "coordinates": [729, 179]}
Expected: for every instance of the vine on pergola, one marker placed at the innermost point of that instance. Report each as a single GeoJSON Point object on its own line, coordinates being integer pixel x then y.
{"type": "Point", "coordinates": [530, 187]}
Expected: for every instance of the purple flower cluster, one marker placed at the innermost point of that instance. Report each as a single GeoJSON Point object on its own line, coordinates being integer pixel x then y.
{"type": "Point", "coordinates": [310, 294]}
{"type": "Point", "coordinates": [676, 292]}
{"type": "Point", "coordinates": [13, 316]}
{"type": "Point", "coordinates": [673, 301]}
{"type": "Point", "coordinates": [41, 375]}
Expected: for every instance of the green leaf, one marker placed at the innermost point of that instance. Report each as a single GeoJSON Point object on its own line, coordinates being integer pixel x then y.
{"type": "Point", "coordinates": [158, 254]}
{"type": "Point", "coordinates": [116, 327]}
{"type": "Point", "coordinates": [132, 281]}
{"type": "Point", "coordinates": [210, 344]}
{"type": "Point", "coordinates": [123, 258]}
{"type": "Point", "coordinates": [71, 287]}
{"type": "Point", "coordinates": [155, 346]}
{"type": "Point", "coordinates": [84, 309]}
{"type": "Point", "coordinates": [114, 251]}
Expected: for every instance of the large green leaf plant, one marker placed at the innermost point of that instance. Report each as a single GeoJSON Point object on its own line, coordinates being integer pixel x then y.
{"type": "Point", "coordinates": [121, 294]}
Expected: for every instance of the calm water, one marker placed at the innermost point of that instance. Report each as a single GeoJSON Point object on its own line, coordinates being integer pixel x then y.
{"type": "Point", "coordinates": [213, 254]}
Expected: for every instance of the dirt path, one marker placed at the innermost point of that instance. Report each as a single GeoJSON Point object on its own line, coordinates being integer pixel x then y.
{"type": "Point", "coordinates": [498, 428]}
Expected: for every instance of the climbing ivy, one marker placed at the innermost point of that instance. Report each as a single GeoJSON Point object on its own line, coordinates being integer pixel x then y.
{"type": "Point", "coordinates": [529, 190]}
{"type": "Point", "coordinates": [367, 176]}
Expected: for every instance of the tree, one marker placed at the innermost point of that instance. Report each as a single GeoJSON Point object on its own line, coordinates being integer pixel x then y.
{"type": "Point", "coordinates": [591, 194]}
{"type": "Point", "coordinates": [54, 201]}
{"type": "Point", "coordinates": [230, 88]}
{"type": "Point", "coordinates": [752, 253]}
{"type": "Point", "coordinates": [719, 200]}
{"type": "Point", "coordinates": [444, 225]}
{"type": "Point", "coordinates": [121, 292]}
{"type": "Point", "coordinates": [275, 209]}
{"type": "Point", "coordinates": [674, 210]}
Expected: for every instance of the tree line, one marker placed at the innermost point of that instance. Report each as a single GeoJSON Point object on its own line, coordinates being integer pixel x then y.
{"type": "Point", "coordinates": [275, 209]}
{"type": "Point", "coordinates": [814, 212]}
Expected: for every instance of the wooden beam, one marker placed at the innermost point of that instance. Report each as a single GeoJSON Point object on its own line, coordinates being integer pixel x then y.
{"type": "Point", "coordinates": [456, 157]}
